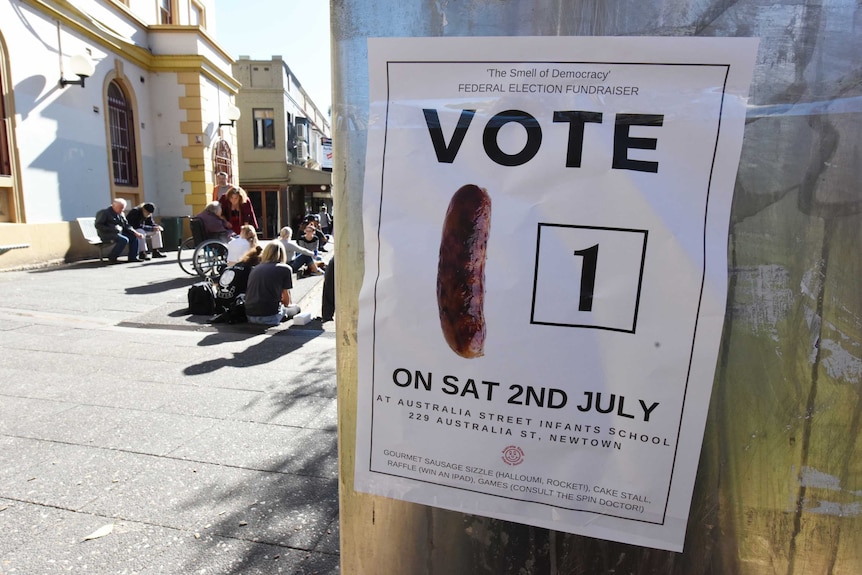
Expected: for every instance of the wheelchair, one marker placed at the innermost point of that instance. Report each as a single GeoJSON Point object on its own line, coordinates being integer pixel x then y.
{"type": "Point", "coordinates": [199, 255]}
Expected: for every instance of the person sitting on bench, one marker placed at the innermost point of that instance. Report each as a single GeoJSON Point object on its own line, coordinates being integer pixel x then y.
{"type": "Point", "coordinates": [113, 226]}
{"type": "Point", "coordinates": [141, 218]}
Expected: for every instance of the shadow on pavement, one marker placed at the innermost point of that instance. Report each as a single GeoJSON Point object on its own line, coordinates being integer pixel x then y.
{"type": "Point", "coordinates": [85, 264]}
{"type": "Point", "coordinates": [270, 349]}
{"type": "Point", "coordinates": [163, 286]}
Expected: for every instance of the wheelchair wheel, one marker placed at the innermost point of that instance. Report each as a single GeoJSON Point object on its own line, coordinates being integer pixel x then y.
{"type": "Point", "coordinates": [185, 253]}
{"type": "Point", "coordinates": [210, 258]}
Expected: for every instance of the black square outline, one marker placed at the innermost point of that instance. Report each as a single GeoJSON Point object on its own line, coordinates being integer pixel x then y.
{"type": "Point", "coordinates": [645, 234]}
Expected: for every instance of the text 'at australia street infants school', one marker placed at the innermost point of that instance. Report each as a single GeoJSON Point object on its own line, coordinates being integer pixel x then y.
{"type": "Point", "coordinates": [550, 359]}
{"type": "Point", "coordinates": [526, 395]}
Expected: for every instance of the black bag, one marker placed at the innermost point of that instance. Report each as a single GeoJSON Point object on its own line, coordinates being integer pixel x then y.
{"type": "Point", "coordinates": [202, 299]}
{"type": "Point", "coordinates": [234, 313]}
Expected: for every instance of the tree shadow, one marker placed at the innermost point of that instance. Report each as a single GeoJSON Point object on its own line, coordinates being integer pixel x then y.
{"type": "Point", "coordinates": [288, 518]}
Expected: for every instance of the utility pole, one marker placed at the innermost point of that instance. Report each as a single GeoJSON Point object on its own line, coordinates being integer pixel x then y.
{"type": "Point", "coordinates": [779, 482]}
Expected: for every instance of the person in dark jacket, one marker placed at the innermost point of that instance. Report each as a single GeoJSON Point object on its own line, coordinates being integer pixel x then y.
{"type": "Point", "coordinates": [141, 218]}
{"type": "Point", "coordinates": [236, 208]}
{"type": "Point", "coordinates": [112, 226]}
{"type": "Point", "coordinates": [215, 226]}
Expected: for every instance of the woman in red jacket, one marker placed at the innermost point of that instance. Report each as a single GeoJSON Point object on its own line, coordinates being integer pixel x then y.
{"type": "Point", "coordinates": [236, 208]}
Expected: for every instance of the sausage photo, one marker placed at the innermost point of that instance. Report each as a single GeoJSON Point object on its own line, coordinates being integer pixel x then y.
{"type": "Point", "coordinates": [461, 270]}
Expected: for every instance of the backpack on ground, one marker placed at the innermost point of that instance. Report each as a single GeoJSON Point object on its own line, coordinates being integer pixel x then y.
{"type": "Point", "coordinates": [233, 313]}
{"type": "Point", "coordinates": [202, 299]}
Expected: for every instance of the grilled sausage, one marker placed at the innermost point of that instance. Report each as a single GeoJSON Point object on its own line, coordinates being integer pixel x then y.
{"type": "Point", "coordinates": [461, 270]}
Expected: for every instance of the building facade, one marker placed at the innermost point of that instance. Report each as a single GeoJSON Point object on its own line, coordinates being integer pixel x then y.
{"type": "Point", "coordinates": [280, 139]}
{"type": "Point", "coordinates": [147, 122]}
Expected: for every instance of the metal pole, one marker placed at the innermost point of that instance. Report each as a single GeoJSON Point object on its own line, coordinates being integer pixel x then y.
{"type": "Point", "coordinates": [779, 486]}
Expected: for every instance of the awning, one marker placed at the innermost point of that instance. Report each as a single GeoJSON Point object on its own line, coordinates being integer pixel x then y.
{"type": "Point", "coordinates": [300, 176]}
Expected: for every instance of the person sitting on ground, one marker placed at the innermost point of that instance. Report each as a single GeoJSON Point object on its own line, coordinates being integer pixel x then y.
{"type": "Point", "coordinates": [215, 226]}
{"type": "Point", "coordinates": [267, 297]}
{"type": "Point", "coordinates": [297, 256]}
{"type": "Point", "coordinates": [236, 208]}
{"type": "Point", "coordinates": [312, 221]}
{"type": "Point", "coordinates": [310, 242]}
{"type": "Point", "coordinates": [141, 218]}
{"type": "Point", "coordinates": [233, 282]}
{"type": "Point", "coordinates": [112, 226]}
{"type": "Point", "coordinates": [239, 245]}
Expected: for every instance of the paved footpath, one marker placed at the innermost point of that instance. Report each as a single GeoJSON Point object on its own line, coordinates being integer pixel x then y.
{"type": "Point", "coordinates": [136, 439]}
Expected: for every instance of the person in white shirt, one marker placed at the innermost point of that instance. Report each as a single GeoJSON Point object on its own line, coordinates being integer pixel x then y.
{"type": "Point", "coordinates": [239, 245]}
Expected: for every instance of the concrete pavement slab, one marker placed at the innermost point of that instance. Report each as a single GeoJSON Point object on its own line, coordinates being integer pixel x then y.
{"type": "Point", "coordinates": [51, 541]}
{"type": "Point", "coordinates": [283, 408]}
{"type": "Point", "coordinates": [121, 429]}
{"type": "Point", "coordinates": [214, 555]}
{"type": "Point", "coordinates": [273, 508]}
{"type": "Point", "coordinates": [242, 444]}
{"type": "Point", "coordinates": [330, 543]}
{"type": "Point", "coordinates": [17, 454]}
{"type": "Point", "coordinates": [70, 476]}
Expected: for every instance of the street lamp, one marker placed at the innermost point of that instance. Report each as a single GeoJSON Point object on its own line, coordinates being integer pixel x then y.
{"type": "Point", "coordinates": [233, 114]}
{"type": "Point", "coordinates": [82, 67]}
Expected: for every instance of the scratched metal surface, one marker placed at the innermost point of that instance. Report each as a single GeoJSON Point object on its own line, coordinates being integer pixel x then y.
{"type": "Point", "coordinates": [779, 487]}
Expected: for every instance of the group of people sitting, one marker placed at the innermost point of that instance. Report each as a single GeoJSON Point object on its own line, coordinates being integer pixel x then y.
{"type": "Point", "coordinates": [264, 276]}
{"type": "Point", "coordinates": [131, 231]}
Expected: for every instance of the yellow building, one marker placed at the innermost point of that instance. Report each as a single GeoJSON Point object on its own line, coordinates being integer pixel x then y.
{"type": "Point", "coordinates": [280, 140]}
{"type": "Point", "coordinates": [103, 99]}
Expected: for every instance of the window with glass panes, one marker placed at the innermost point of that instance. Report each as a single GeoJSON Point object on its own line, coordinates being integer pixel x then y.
{"type": "Point", "coordinates": [166, 12]}
{"type": "Point", "coordinates": [264, 128]}
{"type": "Point", "coordinates": [122, 128]}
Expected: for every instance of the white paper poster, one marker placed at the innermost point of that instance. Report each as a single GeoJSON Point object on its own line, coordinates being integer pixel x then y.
{"type": "Point", "coordinates": [545, 275]}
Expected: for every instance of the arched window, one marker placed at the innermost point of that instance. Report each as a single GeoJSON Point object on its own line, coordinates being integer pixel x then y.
{"type": "Point", "coordinates": [222, 160]}
{"type": "Point", "coordinates": [10, 202]}
{"type": "Point", "coordinates": [122, 127]}
{"type": "Point", "coordinates": [5, 159]}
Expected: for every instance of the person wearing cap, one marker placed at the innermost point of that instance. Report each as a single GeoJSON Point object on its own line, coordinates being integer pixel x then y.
{"type": "Point", "coordinates": [141, 219]}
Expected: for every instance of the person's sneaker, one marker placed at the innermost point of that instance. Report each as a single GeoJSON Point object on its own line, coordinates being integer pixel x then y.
{"type": "Point", "coordinates": [158, 254]}
{"type": "Point", "coordinates": [112, 261]}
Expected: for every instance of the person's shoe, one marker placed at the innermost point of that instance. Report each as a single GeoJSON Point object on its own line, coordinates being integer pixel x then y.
{"type": "Point", "coordinates": [324, 250]}
{"type": "Point", "coordinates": [112, 261]}
{"type": "Point", "coordinates": [158, 254]}
{"type": "Point", "coordinates": [143, 256]}
{"type": "Point", "coordinates": [134, 260]}
{"type": "Point", "coordinates": [317, 273]}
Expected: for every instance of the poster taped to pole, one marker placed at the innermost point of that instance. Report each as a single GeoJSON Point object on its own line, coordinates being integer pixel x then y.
{"type": "Point", "coordinates": [545, 227]}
